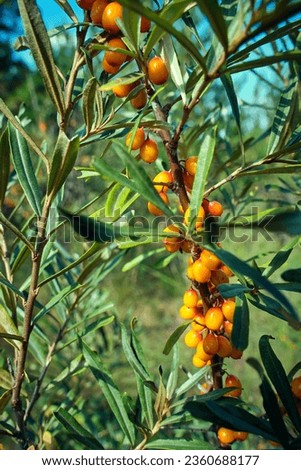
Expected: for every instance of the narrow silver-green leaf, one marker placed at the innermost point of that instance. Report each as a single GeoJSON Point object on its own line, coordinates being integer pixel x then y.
{"type": "Point", "coordinates": [7, 325]}
{"type": "Point", "coordinates": [55, 300]}
{"type": "Point", "coordinates": [174, 373]}
{"type": "Point", "coordinates": [4, 164]}
{"type": "Point", "coordinates": [88, 103]}
{"type": "Point", "coordinates": [110, 391]}
{"type": "Point", "coordinates": [174, 337]}
{"type": "Point", "coordinates": [214, 14]}
{"type": "Point", "coordinates": [63, 160]}
{"type": "Point", "coordinates": [4, 400]}
{"type": "Point", "coordinates": [280, 258]}
{"type": "Point", "coordinates": [203, 165]}
{"type": "Point", "coordinates": [163, 22]}
{"type": "Point", "coordinates": [192, 381]}
{"type": "Point", "coordinates": [67, 9]}
{"type": "Point", "coordinates": [171, 59]}
{"type": "Point", "coordinates": [240, 333]}
{"type": "Point", "coordinates": [14, 121]}
{"type": "Point", "coordinates": [24, 169]}
{"type": "Point", "coordinates": [73, 426]}
{"type": "Point", "coordinates": [264, 61]}
{"type": "Point", "coordinates": [5, 379]}
{"type": "Point", "coordinates": [178, 444]}
{"type": "Point", "coordinates": [131, 355]}
{"type": "Point", "coordinates": [283, 118]}
{"type": "Point", "coordinates": [40, 46]}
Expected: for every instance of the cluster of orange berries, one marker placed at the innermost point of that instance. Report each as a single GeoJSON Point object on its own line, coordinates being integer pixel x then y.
{"type": "Point", "coordinates": [106, 15]}
{"type": "Point", "coordinates": [296, 387]}
{"type": "Point", "coordinates": [210, 332]}
{"type": "Point", "coordinates": [148, 148]}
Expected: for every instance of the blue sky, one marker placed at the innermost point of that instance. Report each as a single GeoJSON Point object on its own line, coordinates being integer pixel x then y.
{"type": "Point", "coordinates": [53, 14]}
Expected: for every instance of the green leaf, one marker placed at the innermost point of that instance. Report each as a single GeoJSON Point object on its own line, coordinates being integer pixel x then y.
{"type": "Point", "coordinates": [271, 406]}
{"type": "Point", "coordinates": [5, 380]}
{"type": "Point", "coordinates": [277, 375]}
{"type": "Point", "coordinates": [110, 391]}
{"type": "Point", "coordinates": [127, 80]}
{"type": "Point", "coordinates": [178, 444]}
{"type": "Point", "coordinates": [216, 19]}
{"type": "Point", "coordinates": [174, 337]}
{"type": "Point", "coordinates": [161, 398]}
{"type": "Point", "coordinates": [288, 222]}
{"type": "Point", "coordinates": [88, 103]}
{"type": "Point", "coordinates": [240, 267]}
{"type": "Point", "coordinates": [232, 290]}
{"type": "Point", "coordinates": [40, 46]}
{"type": "Point", "coordinates": [55, 300]}
{"type": "Point", "coordinates": [140, 258]}
{"type": "Point", "coordinates": [292, 275]}
{"type": "Point", "coordinates": [174, 373]}
{"type": "Point", "coordinates": [230, 416]}
{"type": "Point", "coordinates": [283, 117]}
{"type": "Point", "coordinates": [227, 81]}
{"type": "Point", "coordinates": [171, 59]}
{"type": "Point", "coordinates": [205, 158]}
{"type": "Point", "coordinates": [67, 9]}
{"type": "Point", "coordinates": [24, 169]}
{"type": "Point", "coordinates": [130, 25]}
{"type": "Point", "coordinates": [73, 426]}
{"type": "Point", "coordinates": [192, 381]}
{"type": "Point", "coordinates": [265, 61]}
{"type": "Point", "coordinates": [63, 160]}
{"type": "Point", "coordinates": [140, 181]}
{"type": "Point", "coordinates": [280, 258]}
{"type": "Point", "coordinates": [7, 326]}
{"type": "Point", "coordinates": [4, 164]}
{"type": "Point", "coordinates": [240, 332]}
{"type": "Point", "coordinates": [4, 400]}
{"type": "Point", "coordinates": [131, 355]}
{"type": "Point", "coordinates": [14, 121]}
{"type": "Point", "coordinates": [163, 23]}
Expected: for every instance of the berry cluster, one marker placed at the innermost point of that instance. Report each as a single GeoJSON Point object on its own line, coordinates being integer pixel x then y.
{"type": "Point", "coordinates": [106, 14]}
{"type": "Point", "coordinates": [148, 148]}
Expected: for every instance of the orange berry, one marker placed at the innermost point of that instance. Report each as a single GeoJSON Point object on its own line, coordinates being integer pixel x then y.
{"type": "Point", "coordinates": [157, 71]}
{"type": "Point", "coordinates": [199, 219]}
{"type": "Point", "coordinates": [236, 353]}
{"type": "Point", "coordinates": [224, 346]}
{"type": "Point", "coordinates": [187, 313]}
{"type": "Point", "coordinates": [97, 10]}
{"type": "Point", "coordinates": [228, 309]}
{"type": "Point", "coordinates": [192, 339]}
{"type": "Point", "coordinates": [209, 259]}
{"type": "Point", "coordinates": [233, 381]}
{"type": "Point", "coordinates": [189, 272]}
{"type": "Point", "coordinates": [188, 180]}
{"type": "Point", "coordinates": [85, 4]}
{"type": "Point", "coordinates": [190, 165]}
{"type": "Point", "coordinates": [154, 210]}
{"type": "Point", "coordinates": [190, 298]}
{"type": "Point", "coordinates": [201, 353]}
{"type": "Point", "coordinates": [145, 24]}
{"type": "Point", "coordinates": [226, 270]}
{"type": "Point", "coordinates": [228, 327]}
{"type": "Point", "coordinates": [122, 90]}
{"type": "Point", "coordinates": [219, 277]}
{"type": "Point", "coordinates": [210, 344]}
{"type": "Point", "coordinates": [114, 57]}
{"type": "Point", "coordinates": [164, 177]}
{"type": "Point", "coordinates": [149, 151]}
{"type": "Point", "coordinates": [138, 139]}
{"type": "Point", "coordinates": [111, 69]}
{"type": "Point", "coordinates": [241, 435]}
{"type": "Point", "coordinates": [198, 323]}
{"type": "Point", "coordinates": [111, 13]}
{"type": "Point", "coordinates": [140, 100]}
{"type": "Point", "coordinates": [296, 386]}
{"type": "Point", "coordinates": [198, 362]}
{"type": "Point", "coordinates": [215, 208]}
{"type": "Point", "coordinates": [225, 435]}
{"type": "Point", "coordinates": [200, 272]}
{"type": "Point", "coordinates": [172, 244]}
{"type": "Point", "coordinates": [214, 318]}
{"type": "Point", "coordinates": [186, 246]}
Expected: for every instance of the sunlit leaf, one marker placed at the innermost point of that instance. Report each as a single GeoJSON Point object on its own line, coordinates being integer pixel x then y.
{"type": "Point", "coordinates": [24, 169]}
{"type": "Point", "coordinates": [40, 46]}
